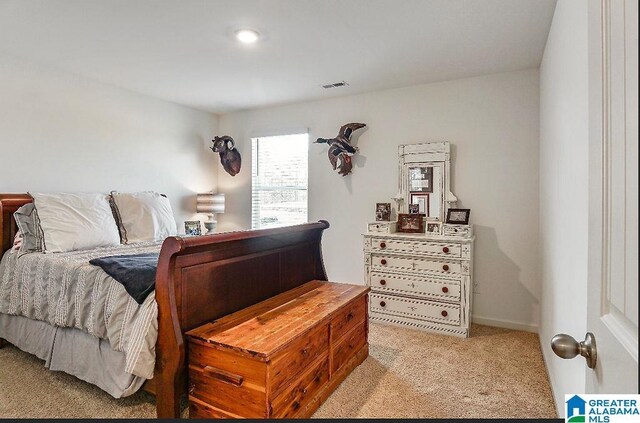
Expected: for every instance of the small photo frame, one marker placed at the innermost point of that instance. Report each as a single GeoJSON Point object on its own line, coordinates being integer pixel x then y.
{"type": "Point", "coordinates": [458, 216]}
{"type": "Point", "coordinates": [383, 212]}
{"type": "Point", "coordinates": [192, 227]}
{"type": "Point", "coordinates": [414, 208]}
{"type": "Point", "coordinates": [422, 200]}
{"type": "Point", "coordinates": [433, 228]}
{"type": "Point", "coordinates": [410, 223]}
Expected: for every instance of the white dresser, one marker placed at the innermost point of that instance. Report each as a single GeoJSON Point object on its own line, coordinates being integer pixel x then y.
{"type": "Point", "coordinates": [420, 281]}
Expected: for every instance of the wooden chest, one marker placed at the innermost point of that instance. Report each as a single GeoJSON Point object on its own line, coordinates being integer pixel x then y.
{"type": "Point", "coordinates": [279, 358]}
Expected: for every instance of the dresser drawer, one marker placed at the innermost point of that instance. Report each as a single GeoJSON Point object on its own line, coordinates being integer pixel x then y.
{"type": "Point", "coordinates": [440, 249]}
{"type": "Point", "coordinates": [418, 309]}
{"type": "Point", "coordinates": [387, 261]}
{"type": "Point", "coordinates": [457, 230]}
{"type": "Point", "coordinates": [440, 289]}
{"type": "Point", "coordinates": [382, 227]}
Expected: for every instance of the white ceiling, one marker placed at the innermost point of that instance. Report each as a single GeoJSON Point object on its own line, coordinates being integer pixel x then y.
{"type": "Point", "coordinates": [183, 50]}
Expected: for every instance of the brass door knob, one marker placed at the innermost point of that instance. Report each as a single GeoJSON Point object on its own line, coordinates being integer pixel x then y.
{"type": "Point", "coordinates": [565, 346]}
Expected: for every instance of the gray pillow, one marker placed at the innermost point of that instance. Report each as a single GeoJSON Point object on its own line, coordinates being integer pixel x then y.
{"type": "Point", "coordinates": [29, 226]}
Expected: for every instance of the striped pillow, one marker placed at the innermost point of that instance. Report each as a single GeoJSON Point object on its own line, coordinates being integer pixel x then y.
{"type": "Point", "coordinates": [29, 227]}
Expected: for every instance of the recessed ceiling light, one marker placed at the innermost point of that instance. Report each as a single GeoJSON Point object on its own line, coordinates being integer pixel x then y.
{"type": "Point", "coordinates": [247, 36]}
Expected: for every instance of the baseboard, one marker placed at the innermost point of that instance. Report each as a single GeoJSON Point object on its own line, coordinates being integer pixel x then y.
{"type": "Point", "coordinates": [508, 324]}
{"type": "Point", "coordinates": [552, 384]}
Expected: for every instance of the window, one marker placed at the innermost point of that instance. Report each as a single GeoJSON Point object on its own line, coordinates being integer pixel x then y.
{"type": "Point", "coordinates": [279, 180]}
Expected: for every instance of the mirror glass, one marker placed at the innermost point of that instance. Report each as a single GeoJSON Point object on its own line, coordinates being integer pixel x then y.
{"type": "Point", "coordinates": [424, 186]}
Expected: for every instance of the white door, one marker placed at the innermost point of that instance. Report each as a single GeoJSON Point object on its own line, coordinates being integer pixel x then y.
{"type": "Point", "coordinates": [612, 313]}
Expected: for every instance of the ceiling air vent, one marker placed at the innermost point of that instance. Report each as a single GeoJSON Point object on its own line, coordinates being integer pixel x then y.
{"type": "Point", "coordinates": [335, 85]}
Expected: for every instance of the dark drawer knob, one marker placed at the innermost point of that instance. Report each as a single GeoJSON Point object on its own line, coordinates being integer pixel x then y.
{"type": "Point", "coordinates": [445, 289]}
{"type": "Point", "coordinates": [383, 262]}
{"type": "Point", "coordinates": [445, 249]}
{"type": "Point", "coordinates": [382, 304]}
{"type": "Point", "coordinates": [383, 282]}
{"type": "Point", "coordinates": [445, 268]}
{"type": "Point", "coordinates": [383, 245]}
{"type": "Point", "coordinates": [444, 313]}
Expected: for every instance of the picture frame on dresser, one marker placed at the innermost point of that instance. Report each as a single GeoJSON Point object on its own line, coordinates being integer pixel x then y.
{"type": "Point", "coordinates": [458, 216]}
{"type": "Point", "coordinates": [383, 212]}
{"type": "Point", "coordinates": [410, 223]}
{"type": "Point", "coordinates": [433, 228]}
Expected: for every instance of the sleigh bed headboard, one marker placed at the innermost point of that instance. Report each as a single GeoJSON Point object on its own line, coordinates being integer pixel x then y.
{"type": "Point", "coordinates": [9, 203]}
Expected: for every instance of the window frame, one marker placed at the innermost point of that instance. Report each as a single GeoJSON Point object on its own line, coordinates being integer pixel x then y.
{"type": "Point", "coordinates": [255, 154]}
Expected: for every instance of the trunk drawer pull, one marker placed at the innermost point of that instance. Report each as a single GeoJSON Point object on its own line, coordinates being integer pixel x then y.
{"type": "Point", "coordinates": [224, 376]}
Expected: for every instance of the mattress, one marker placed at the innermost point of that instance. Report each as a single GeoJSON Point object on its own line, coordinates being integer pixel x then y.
{"type": "Point", "coordinates": [65, 291]}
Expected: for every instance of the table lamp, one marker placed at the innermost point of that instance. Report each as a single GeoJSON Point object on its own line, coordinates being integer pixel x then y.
{"type": "Point", "coordinates": [211, 204]}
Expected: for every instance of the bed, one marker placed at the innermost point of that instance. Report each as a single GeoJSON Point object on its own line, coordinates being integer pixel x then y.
{"type": "Point", "coordinates": [199, 279]}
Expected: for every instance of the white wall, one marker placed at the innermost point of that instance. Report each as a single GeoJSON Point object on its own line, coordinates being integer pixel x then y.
{"type": "Point", "coordinates": [59, 132]}
{"type": "Point", "coordinates": [564, 165]}
{"type": "Point", "coordinates": [492, 123]}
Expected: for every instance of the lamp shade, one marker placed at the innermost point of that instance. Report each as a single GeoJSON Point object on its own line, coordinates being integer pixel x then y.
{"type": "Point", "coordinates": [210, 203]}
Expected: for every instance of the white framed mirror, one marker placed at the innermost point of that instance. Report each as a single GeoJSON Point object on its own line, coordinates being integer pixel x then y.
{"type": "Point", "coordinates": [424, 171]}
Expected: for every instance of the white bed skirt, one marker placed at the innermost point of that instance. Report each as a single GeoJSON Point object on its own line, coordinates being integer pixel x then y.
{"type": "Point", "coordinates": [72, 351]}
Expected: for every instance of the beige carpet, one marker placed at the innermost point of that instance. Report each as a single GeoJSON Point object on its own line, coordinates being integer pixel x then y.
{"type": "Point", "coordinates": [495, 373]}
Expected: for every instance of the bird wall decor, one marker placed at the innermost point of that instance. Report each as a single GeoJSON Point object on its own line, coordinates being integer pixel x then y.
{"type": "Point", "coordinates": [340, 148]}
{"type": "Point", "coordinates": [229, 154]}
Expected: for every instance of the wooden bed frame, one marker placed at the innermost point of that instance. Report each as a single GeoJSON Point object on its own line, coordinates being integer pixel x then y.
{"type": "Point", "coordinates": [200, 279]}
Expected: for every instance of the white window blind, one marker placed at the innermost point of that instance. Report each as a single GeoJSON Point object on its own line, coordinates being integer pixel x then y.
{"type": "Point", "coordinates": [279, 180]}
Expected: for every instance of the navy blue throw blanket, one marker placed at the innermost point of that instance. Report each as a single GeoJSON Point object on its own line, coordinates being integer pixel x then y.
{"type": "Point", "coordinates": [136, 272]}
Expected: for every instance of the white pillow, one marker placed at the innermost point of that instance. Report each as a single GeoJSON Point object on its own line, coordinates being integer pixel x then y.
{"type": "Point", "coordinates": [144, 216]}
{"type": "Point", "coordinates": [75, 221]}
